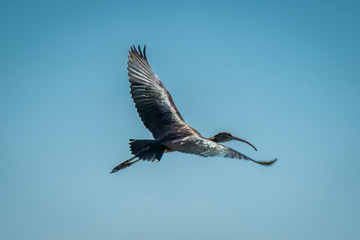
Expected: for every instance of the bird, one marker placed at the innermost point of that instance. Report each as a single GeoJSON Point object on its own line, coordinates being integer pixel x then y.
{"type": "Point", "coordinates": [160, 116]}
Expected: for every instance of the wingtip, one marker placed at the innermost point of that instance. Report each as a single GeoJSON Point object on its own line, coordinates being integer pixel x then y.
{"type": "Point", "coordinates": [138, 51]}
{"type": "Point", "coordinates": [265, 163]}
{"type": "Point", "coordinates": [270, 162]}
{"type": "Point", "coordinates": [144, 52]}
{"type": "Point", "coordinates": [132, 50]}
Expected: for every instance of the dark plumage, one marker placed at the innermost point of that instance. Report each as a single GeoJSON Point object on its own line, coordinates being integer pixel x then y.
{"type": "Point", "coordinates": [160, 115]}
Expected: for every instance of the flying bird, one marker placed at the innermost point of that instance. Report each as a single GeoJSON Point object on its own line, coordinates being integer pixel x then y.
{"type": "Point", "coordinates": [160, 116]}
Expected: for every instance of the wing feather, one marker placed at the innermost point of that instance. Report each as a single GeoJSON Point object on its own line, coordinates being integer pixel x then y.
{"type": "Point", "coordinates": [206, 148]}
{"type": "Point", "coordinates": [152, 100]}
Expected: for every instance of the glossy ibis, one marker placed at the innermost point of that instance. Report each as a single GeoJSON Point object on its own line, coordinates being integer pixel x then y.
{"type": "Point", "coordinates": [160, 115]}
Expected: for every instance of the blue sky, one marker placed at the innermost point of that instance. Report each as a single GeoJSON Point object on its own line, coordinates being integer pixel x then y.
{"type": "Point", "coordinates": [282, 75]}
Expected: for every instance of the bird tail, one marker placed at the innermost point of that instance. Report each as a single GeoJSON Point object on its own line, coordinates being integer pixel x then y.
{"type": "Point", "coordinates": [138, 145]}
{"type": "Point", "coordinates": [148, 150]}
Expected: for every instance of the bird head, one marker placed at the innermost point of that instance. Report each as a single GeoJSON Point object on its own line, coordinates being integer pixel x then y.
{"type": "Point", "coordinates": [226, 136]}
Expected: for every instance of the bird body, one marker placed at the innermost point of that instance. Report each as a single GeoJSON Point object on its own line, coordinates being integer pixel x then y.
{"type": "Point", "coordinates": [160, 116]}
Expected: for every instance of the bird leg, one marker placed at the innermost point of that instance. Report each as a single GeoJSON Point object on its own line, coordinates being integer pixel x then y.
{"type": "Point", "coordinates": [124, 164]}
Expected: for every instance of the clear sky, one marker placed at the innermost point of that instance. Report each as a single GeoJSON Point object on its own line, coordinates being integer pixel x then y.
{"type": "Point", "coordinates": [284, 75]}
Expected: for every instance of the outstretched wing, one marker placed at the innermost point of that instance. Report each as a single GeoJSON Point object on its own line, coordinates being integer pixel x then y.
{"type": "Point", "coordinates": [152, 101]}
{"type": "Point", "coordinates": [207, 148]}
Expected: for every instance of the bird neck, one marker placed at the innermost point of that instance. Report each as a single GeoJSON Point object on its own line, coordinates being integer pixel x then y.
{"type": "Point", "coordinates": [211, 138]}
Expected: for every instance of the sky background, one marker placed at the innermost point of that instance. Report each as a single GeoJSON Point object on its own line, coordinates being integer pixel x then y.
{"type": "Point", "coordinates": [283, 75]}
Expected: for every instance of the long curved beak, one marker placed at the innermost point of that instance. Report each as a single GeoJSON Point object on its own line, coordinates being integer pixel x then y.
{"type": "Point", "coordinates": [242, 140]}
